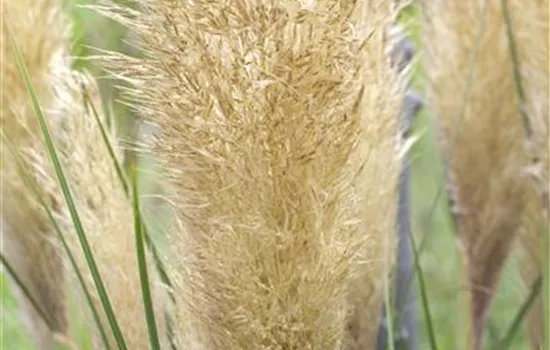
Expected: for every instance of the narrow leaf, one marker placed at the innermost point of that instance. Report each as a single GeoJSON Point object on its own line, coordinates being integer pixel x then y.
{"type": "Point", "coordinates": [518, 86]}
{"type": "Point", "coordinates": [120, 172]}
{"type": "Point", "coordinates": [26, 292]}
{"type": "Point", "coordinates": [389, 317]}
{"type": "Point", "coordinates": [165, 279]}
{"type": "Point", "coordinates": [68, 198]}
{"type": "Point", "coordinates": [30, 184]}
{"type": "Point", "coordinates": [424, 296]}
{"type": "Point", "coordinates": [524, 309]}
{"type": "Point", "coordinates": [142, 266]}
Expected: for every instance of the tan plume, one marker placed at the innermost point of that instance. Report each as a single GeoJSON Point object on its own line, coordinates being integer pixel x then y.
{"type": "Point", "coordinates": [28, 242]}
{"type": "Point", "coordinates": [103, 206]}
{"type": "Point", "coordinates": [485, 144]}
{"type": "Point", "coordinates": [279, 129]}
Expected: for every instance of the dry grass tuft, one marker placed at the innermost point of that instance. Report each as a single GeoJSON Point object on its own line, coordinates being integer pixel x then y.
{"type": "Point", "coordinates": [279, 127]}
{"type": "Point", "coordinates": [489, 159]}
{"type": "Point", "coordinates": [27, 239]}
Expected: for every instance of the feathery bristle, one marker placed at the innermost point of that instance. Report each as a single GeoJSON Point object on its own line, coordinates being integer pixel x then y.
{"type": "Point", "coordinates": [279, 126]}
{"type": "Point", "coordinates": [487, 158]}
{"type": "Point", "coordinates": [26, 235]}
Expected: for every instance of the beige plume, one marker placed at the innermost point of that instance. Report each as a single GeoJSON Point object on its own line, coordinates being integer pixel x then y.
{"type": "Point", "coordinates": [28, 242]}
{"type": "Point", "coordinates": [486, 149]}
{"type": "Point", "coordinates": [279, 129]}
{"type": "Point", "coordinates": [28, 238]}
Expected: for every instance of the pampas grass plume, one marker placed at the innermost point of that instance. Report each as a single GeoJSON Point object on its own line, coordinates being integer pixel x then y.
{"type": "Point", "coordinates": [279, 132]}
{"type": "Point", "coordinates": [488, 162]}
{"type": "Point", "coordinates": [106, 213]}
{"type": "Point", "coordinates": [28, 241]}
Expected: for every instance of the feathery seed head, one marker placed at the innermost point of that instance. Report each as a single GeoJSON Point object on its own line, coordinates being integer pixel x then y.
{"type": "Point", "coordinates": [106, 213]}
{"type": "Point", "coordinates": [279, 127]}
{"type": "Point", "coordinates": [28, 241]}
{"type": "Point", "coordinates": [487, 155]}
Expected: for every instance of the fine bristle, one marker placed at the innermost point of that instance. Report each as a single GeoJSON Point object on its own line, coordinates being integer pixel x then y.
{"type": "Point", "coordinates": [279, 129]}
{"type": "Point", "coordinates": [485, 145]}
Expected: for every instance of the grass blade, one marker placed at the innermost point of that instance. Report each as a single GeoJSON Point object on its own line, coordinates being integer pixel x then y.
{"type": "Point", "coordinates": [68, 197]}
{"type": "Point", "coordinates": [110, 149]}
{"type": "Point", "coordinates": [142, 266]}
{"type": "Point", "coordinates": [165, 279]}
{"type": "Point", "coordinates": [492, 331]}
{"type": "Point", "coordinates": [524, 309]}
{"type": "Point", "coordinates": [389, 318]}
{"type": "Point", "coordinates": [55, 225]}
{"type": "Point", "coordinates": [26, 292]}
{"type": "Point", "coordinates": [423, 295]}
{"type": "Point", "coordinates": [518, 86]}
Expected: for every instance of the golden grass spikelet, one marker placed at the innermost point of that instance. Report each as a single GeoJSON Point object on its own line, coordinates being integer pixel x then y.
{"type": "Point", "coordinates": [489, 161]}
{"type": "Point", "coordinates": [279, 128]}
{"type": "Point", "coordinates": [26, 235]}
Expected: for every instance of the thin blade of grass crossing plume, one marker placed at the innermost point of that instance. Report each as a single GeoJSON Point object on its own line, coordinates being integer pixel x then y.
{"type": "Point", "coordinates": [104, 209]}
{"type": "Point", "coordinates": [27, 239]}
{"type": "Point", "coordinates": [534, 235]}
{"type": "Point", "coordinates": [484, 135]}
{"type": "Point", "coordinates": [81, 146]}
{"type": "Point", "coordinates": [279, 130]}
{"type": "Point", "coordinates": [37, 192]}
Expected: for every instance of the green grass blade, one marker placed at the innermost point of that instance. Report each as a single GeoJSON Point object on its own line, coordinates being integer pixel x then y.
{"type": "Point", "coordinates": [492, 331]}
{"type": "Point", "coordinates": [165, 279]}
{"type": "Point", "coordinates": [142, 266]}
{"type": "Point", "coordinates": [68, 197]}
{"type": "Point", "coordinates": [110, 149]}
{"type": "Point", "coordinates": [26, 292]}
{"type": "Point", "coordinates": [524, 309]}
{"type": "Point", "coordinates": [159, 265]}
{"type": "Point", "coordinates": [389, 317]}
{"type": "Point", "coordinates": [30, 184]}
{"type": "Point", "coordinates": [124, 182]}
{"type": "Point", "coordinates": [423, 295]}
{"type": "Point", "coordinates": [516, 72]}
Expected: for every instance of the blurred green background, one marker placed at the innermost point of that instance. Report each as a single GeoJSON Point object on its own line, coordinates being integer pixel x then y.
{"type": "Point", "coordinates": [440, 260]}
